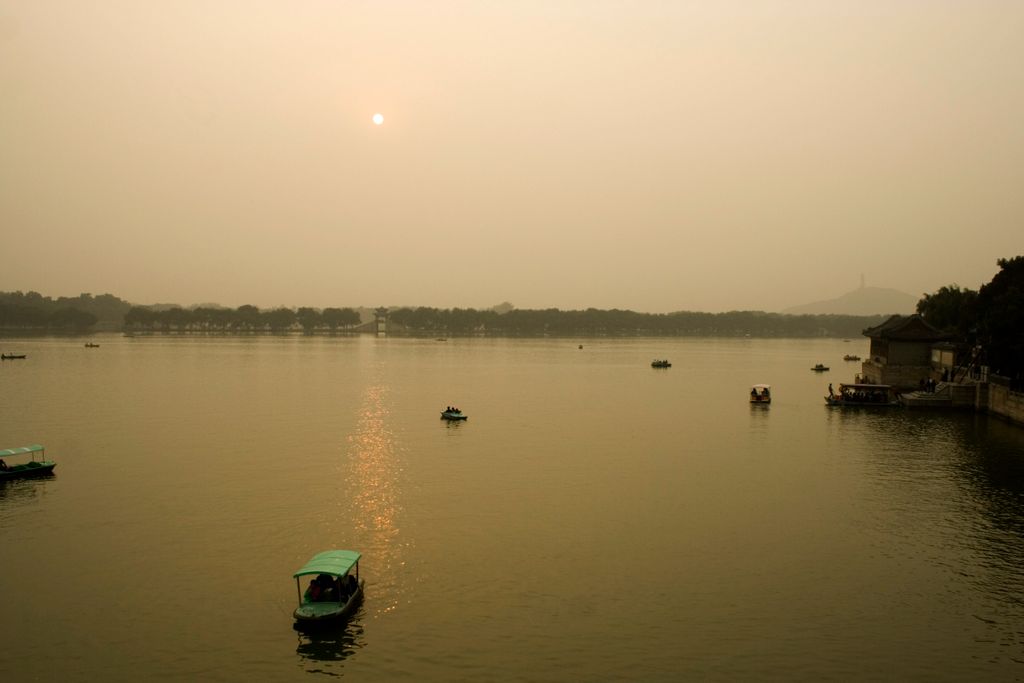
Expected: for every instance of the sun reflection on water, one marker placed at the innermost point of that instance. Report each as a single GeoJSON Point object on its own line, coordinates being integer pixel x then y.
{"type": "Point", "coordinates": [375, 504]}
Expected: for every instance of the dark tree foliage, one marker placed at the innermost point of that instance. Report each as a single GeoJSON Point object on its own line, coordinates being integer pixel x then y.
{"type": "Point", "coordinates": [1001, 319]}
{"type": "Point", "coordinates": [340, 317]}
{"type": "Point", "coordinates": [615, 322]}
{"type": "Point", "coordinates": [309, 318]}
{"type": "Point", "coordinates": [279, 319]}
{"type": "Point", "coordinates": [951, 309]}
{"type": "Point", "coordinates": [245, 318]}
{"type": "Point", "coordinates": [32, 310]}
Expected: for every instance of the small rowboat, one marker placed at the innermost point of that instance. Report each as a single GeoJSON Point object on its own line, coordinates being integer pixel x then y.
{"type": "Point", "coordinates": [335, 590]}
{"type": "Point", "coordinates": [820, 368]}
{"type": "Point", "coordinates": [660, 363]}
{"type": "Point", "coordinates": [12, 356]}
{"type": "Point", "coordinates": [33, 468]}
{"type": "Point", "coordinates": [761, 394]}
{"type": "Point", "coordinates": [862, 396]}
{"type": "Point", "coordinates": [453, 414]}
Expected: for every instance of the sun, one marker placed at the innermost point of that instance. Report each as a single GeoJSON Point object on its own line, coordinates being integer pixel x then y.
{"type": "Point", "coordinates": [378, 119]}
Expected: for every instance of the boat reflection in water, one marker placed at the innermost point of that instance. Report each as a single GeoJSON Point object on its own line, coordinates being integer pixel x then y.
{"type": "Point", "coordinates": [331, 644]}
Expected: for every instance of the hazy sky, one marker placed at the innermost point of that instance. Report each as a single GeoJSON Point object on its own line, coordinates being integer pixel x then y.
{"type": "Point", "coordinates": [655, 156]}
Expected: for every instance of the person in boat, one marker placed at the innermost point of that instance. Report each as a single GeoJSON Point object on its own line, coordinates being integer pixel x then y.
{"type": "Point", "coordinates": [314, 592]}
{"type": "Point", "coordinates": [830, 392]}
{"type": "Point", "coordinates": [3, 466]}
{"type": "Point", "coordinates": [753, 392]}
{"type": "Point", "coordinates": [766, 392]}
{"type": "Point", "coordinates": [328, 589]}
{"type": "Point", "coordinates": [341, 590]}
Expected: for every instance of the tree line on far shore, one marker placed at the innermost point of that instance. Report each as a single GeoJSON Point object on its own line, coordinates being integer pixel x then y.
{"type": "Point", "coordinates": [80, 314]}
{"type": "Point", "coordinates": [489, 322]}
{"type": "Point", "coordinates": [619, 323]}
{"type": "Point", "coordinates": [245, 318]}
{"type": "Point", "coordinates": [32, 310]}
{"type": "Point", "coordinates": [992, 318]}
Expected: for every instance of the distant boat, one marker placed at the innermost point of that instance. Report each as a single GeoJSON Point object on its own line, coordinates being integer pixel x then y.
{"type": "Point", "coordinates": [820, 368]}
{"type": "Point", "coordinates": [33, 468]}
{"type": "Point", "coordinates": [453, 414]}
{"type": "Point", "coordinates": [90, 345]}
{"type": "Point", "coordinates": [660, 363]}
{"type": "Point", "coordinates": [12, 356]}
{"type": "Point", "coordinates": [761, 394]}
{"type": "Point", "coordinates": [851, 357]}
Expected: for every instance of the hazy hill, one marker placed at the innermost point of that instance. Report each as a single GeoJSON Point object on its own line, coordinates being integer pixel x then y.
{"type": "Point", "coordinates": [862, 301]}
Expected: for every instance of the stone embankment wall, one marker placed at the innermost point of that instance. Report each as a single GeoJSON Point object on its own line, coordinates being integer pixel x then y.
{"type": "Point", "coordinates": [1006, 403]}
{"type": "Point", "coordinates": [902, 377]}
{"type": "Point", "coordinates": [963, 395]}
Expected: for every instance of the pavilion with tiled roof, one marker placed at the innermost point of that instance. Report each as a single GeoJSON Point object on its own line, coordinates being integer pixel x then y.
{"type": "Point", "coordinates": [901, 351]}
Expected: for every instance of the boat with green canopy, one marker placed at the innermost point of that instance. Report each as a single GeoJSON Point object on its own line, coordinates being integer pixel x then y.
{"type": "Point", "coordinates": [32, 468]}
{"type": "Point", "coordinates": [335, 589]}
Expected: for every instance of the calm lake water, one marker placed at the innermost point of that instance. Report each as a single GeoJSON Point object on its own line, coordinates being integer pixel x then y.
{"type": "Point", "coordinates": [595, 519]}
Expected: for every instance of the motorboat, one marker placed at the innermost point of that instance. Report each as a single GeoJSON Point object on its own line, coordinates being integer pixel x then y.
{"type": "Point", "coordinates": [660, 363]}
{"type": "Point", "coordinates": [761, 394]}
{"type": "Point", "coordinates": [820, 368]}
{"type": "Point", "coordinates": [32, 468]}
{"type": "Point", "coordinates": [862, 396]}
{"type": "Point", "coordinates": [453, 414]}
{"type": "Point", "coordinates": [335, 589]}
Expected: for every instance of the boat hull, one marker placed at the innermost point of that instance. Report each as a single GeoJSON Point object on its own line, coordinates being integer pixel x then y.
{"type": "Point", "coordinates": [454, 416]}
{"type": "Point", "coordinates": [839, 403]}
{"type": "Point", "coordinates": [313, 613]}
{"type": "Point", "coordinates": [28, 471]}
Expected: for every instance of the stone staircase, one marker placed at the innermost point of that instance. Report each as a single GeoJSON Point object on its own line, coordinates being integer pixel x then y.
{"type": "Point", "coordinates": [946, 395]}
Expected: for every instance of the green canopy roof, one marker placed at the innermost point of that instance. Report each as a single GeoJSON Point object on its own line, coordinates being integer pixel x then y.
{"type": "Point", "coordinates": [34, 448]}
{"type": "Point", "coordinates": [334, 562]}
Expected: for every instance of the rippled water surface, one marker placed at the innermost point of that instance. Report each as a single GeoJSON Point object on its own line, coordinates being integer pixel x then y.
{"type": "Point", "coordinates": [594, 520]}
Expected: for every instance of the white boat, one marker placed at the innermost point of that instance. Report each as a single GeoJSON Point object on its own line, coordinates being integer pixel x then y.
{"type": "Point", "coordinates": [761, 394]}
